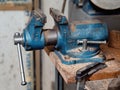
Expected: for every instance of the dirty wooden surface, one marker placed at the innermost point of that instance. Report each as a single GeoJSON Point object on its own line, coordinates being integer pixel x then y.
{"type": "Point", "coordinates": [16, 5]}
{"type": "Point", "coordinates": [68, 72]}
{"type": "Point", "coordinates": [114, 39]}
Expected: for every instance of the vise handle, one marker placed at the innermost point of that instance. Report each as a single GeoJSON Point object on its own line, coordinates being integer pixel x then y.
{"type": "Point", "coordinates": [58, 16]}
{"type": "Point", "coordinates": [18, 40]}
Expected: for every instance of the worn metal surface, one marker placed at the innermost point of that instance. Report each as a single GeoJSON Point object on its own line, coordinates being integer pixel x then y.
{"type": "Point", "coordinates": [33, 37]}
{"type": "Point", "coordinates": [50, 37]}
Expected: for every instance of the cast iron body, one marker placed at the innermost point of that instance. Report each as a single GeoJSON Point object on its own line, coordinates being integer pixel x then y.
{"type": "Point", "coordinates": [79, 41]}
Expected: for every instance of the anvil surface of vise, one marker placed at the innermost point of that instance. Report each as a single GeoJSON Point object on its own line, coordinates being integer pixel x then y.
{"type": "Point", "coordinates": [76, 42]}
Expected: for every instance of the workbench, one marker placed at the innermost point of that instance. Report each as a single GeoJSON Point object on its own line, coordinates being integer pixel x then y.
{"type": "Point", "coordinates": [112, 70]}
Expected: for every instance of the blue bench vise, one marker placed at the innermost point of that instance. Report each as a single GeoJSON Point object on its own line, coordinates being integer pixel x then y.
{"type": "Point", "coordinates": [76, 42]}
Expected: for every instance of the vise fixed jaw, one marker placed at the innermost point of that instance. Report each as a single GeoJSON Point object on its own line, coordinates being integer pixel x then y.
{"type": "Point", "coordinates": [58, 16]}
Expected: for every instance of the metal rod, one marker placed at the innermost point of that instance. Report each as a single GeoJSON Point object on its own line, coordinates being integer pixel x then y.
{"type": "Point", "coordinates": [84, 44]}
{"type": "Point", "coordinates": [23, 81]}
{"type": "Point", "coordinates": [59, 80]}
{"type": "Point", "coordinates": [80, 85]}
{"type": "Point", "coordinates": [92, 42]}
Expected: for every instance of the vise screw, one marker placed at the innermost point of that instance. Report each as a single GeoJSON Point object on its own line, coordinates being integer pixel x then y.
{"type": "Point", "coordinates": [76, 42]}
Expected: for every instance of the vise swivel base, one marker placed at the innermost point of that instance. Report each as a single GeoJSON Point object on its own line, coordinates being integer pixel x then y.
{"type": "Point", "coordinates": [74, 42]}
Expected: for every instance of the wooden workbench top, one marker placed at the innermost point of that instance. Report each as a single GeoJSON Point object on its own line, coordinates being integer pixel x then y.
{"type": "Point", "coordinates": [112, 70]}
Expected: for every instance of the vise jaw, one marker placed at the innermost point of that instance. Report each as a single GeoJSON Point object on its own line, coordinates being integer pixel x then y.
{"type": "Point", "coordinates": [32, 37]}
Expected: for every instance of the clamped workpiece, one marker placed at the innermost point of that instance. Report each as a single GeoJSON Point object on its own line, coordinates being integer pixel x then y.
{"type": "Point", "coordinates": [74, 42]}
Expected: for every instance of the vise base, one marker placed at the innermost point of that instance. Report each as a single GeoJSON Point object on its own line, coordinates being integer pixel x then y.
{"type": "Point", "coordinates": [66, 59]}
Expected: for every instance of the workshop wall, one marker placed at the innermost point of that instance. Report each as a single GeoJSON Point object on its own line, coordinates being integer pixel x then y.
{"type": "Point", "coordinates": [11, 22]}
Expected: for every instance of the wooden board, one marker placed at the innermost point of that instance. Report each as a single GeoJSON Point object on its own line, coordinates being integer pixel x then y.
{"type": "Point", "coordinates": [37, 67]}
{"type": "Point", "coordinates": [16, 5]}
{"type": "Point", "coordinates": [36, 4]}
{"type": "Point", "coordinates": [68, 72]}
{"type": "Point", "coordinates": [99, 84]}
{"type": "Point", "coordinates": [114, 39]}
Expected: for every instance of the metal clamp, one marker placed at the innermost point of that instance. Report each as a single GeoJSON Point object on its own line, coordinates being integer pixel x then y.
{"type": "Point", "coordinates": [18, 41]}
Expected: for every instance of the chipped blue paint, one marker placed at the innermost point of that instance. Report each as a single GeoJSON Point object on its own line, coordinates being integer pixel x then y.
{"type": "Point", "coordinates": [67, 38]}
{"type": "Point", "coordinates": [33, 39]}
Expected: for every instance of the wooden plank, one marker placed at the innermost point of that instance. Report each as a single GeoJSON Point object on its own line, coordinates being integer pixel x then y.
{"type": "Point", "coordinates": [68, 72]}
{"type": "Point", "coordinates": [37, 70]}
{"type": "Point", "coordinates": [36, 4]}
{"type": "Point", "coordinates": [37, 57]}
{"type": "Point", "coordinates": [99, 84]}
{"type": "Point", "coordinates": [114, 39]}
{"type": "Point", "coordinates": [16, 5]}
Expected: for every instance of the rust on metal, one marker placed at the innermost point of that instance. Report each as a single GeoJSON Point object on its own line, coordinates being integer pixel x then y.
{"type": "Point", "coordinates": [74, 23]}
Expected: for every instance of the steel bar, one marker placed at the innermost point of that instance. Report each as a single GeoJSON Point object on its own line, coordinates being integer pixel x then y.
{"type": "Point", "coordinates": [23, 81]}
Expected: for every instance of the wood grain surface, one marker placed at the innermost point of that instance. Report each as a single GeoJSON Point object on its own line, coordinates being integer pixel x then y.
{"type": "Point", "coordinates": [16, 5]}
{"type": "Point", "coordinates": [114, 39]}
{"type": "Point", "coordinates": [112, 70]}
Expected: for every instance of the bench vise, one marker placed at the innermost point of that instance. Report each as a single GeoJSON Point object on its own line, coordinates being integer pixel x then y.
{"type": "Point", "coordinates": [76, 42]}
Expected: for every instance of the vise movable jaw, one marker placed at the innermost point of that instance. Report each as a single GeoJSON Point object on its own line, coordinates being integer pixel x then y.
{"type": "Point", "coordinates": [74, 42]}
{"type": "Point", "coordinates": [33, 38]}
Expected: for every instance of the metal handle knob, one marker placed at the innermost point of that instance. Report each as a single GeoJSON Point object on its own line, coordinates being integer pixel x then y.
{"type": "Point", "coordinates": [17, 41]}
